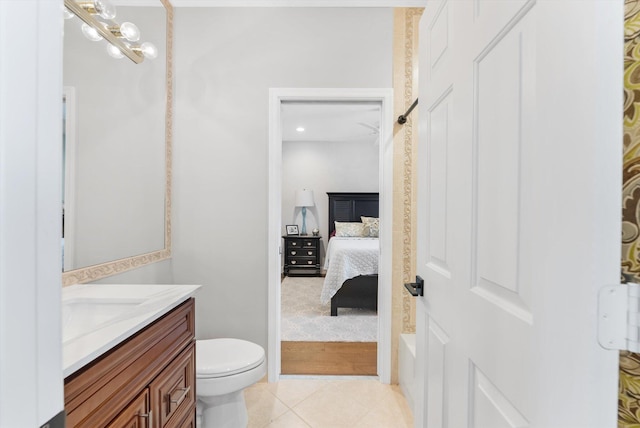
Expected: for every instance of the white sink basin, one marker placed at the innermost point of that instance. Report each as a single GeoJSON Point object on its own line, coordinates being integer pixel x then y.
{"type": "Point", "coordinates": [97, 317]}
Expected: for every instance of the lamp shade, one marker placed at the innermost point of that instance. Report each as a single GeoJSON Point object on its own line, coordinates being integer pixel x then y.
{"type": "Point", "coordinates": [304, 198]}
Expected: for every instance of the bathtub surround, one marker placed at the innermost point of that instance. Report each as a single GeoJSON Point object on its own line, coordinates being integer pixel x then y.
{"type": "Point", "coordinates": [407, 367]}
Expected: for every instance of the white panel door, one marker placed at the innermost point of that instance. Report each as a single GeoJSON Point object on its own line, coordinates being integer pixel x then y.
{"type": "Point", "coordinates": [518, 211]}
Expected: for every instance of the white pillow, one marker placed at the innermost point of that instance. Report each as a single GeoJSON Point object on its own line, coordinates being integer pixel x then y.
{"type": "Point", "coordinates": [371, 226]}
{"type": "Point", "coordinates": [346, 229]}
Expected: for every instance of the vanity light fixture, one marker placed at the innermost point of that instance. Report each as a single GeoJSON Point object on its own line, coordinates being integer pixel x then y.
{"type": "Point", "coordinates": [91, 33]}
{"type": "Point", "coordinates": [114, 52]}
{"type": "Point", "coordinates": [98, 24]}
{"type": "Point", "coordinates": [103, 8]}
{"type": "Point", "coordinates": [67, 13]}
{"type": "Point", "coordinates": [149, 50]}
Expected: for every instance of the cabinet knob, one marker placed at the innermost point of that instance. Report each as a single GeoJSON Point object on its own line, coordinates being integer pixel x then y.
{"type": "Point", "coordinates": [293, 253]}
{"type": "Point", "coordinates": [310, 262]}
{"type": "Point", "coordinates": [310, 253]}
{"type": "Point", "coordinates": [293, 262]}
{"type": "Point", "coordinates": [294, 244]}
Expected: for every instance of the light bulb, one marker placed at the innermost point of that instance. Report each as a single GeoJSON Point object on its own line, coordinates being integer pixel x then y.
{"type": "Point", "coordinates": [149, 50]}
{"type": "Point", "coordinates": [105, 9]}
{"type": "Point", "coordinates": [67, 13]}
{"type": "Point", "coordinates": [129, 31]}
{"type": "Point", "coordinates": [114, 51]}
{"type": "Point", "coordinates": [91, 33]}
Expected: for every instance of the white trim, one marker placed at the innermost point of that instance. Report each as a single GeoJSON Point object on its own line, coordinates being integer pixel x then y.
{"type": "Point", "coordinates": [385, 97]}
{"type": "Point", "coordinates": [31, 390]}
{"type": "Point", "coordinates": [299, 3]}
{"type": "Point", "coordinates": [68, 256]}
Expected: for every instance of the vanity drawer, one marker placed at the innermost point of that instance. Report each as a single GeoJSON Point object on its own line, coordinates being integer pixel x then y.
{"type": "Point", "coordinates": [188, 422]}
{"type": "Point", "coordinates": [173, 391]}
{"type": "Point", "coordinates": [136, 414]}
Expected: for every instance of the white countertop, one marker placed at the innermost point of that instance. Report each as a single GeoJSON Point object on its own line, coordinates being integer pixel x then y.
{"type": "Point", "coordinates": [97, 317]}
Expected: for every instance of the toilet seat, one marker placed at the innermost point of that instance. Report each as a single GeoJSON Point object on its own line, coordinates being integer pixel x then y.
{"type": "Point", "coordinates": [226, 357]}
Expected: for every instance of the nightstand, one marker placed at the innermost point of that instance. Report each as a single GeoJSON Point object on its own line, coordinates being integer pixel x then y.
{"type": "Point", "coordinates": [301, 255]}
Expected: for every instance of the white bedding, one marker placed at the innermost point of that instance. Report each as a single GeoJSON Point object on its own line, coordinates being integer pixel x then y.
{"type": "Point", "coordinates": [347, 258]}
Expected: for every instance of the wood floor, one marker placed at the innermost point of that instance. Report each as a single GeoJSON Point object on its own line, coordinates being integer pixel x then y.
{"type": "Point", "coordinates": [329, 358]}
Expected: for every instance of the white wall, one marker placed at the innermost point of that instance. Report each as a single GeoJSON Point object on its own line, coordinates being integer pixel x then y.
{"type": "Point", "coordinates": [226, 59]}
{"type": "Point", "coordinates": [325, 167]}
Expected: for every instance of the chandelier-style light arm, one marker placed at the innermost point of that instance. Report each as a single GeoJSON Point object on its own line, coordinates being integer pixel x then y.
{"type": "Point", "coordinates": [81, 13]}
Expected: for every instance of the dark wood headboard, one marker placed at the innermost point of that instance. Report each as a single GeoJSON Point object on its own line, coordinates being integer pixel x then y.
{"type": "Point", "coordinates": [350, 206]}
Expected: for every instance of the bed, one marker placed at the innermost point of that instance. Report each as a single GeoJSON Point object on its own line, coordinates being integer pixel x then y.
{"type": "Point", "coordinates": [352, 264]}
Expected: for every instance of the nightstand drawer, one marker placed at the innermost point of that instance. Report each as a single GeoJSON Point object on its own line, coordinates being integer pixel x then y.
{"type": "Point", "coordinates": [309, 243]}
{"type": "Point", "coordinates": [302, 252]}
{"type": "Point", "coordinates": [302, 243]}
{"type": "Point", "coordinates": [302, 261]}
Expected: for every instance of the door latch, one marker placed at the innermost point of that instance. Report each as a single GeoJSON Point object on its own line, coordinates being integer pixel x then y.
{"type": "Point", "coordinates": [416, 288]}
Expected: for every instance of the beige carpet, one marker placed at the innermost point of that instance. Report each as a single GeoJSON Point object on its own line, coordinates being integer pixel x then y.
{"type": "Point", "coordinates": [304, 318]}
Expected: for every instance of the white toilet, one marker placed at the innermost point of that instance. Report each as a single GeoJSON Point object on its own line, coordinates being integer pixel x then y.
{"type": "Point", "coordinates": [224, 368]}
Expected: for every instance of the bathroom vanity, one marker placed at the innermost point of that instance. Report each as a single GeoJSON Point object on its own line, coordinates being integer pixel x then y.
{"type": "Point", "coordinates": [131, 361]}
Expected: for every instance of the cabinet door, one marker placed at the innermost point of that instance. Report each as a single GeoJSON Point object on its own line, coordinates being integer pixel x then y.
{"type": "Point", "coordinates": [189, 422]}
{"type": "Point", "coordinates": [136, 415]}
{"type": "Point", "coordinates": [173, 391]}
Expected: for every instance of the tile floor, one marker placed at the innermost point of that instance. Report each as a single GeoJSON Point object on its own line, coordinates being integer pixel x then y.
{"type": "Point", "coordinates": [327, 403]}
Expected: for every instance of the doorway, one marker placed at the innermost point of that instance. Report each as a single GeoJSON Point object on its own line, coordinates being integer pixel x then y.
{"type": "Point", "coordinates": [382, 98]}
{"type": "Point", "coordinates": [328, 147]}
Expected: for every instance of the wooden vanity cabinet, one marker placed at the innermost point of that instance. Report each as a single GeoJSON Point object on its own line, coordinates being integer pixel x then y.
{"type": "Point", "coordinates": [147, 381]}
{"type": "Point", "coordinates": [135, 415]}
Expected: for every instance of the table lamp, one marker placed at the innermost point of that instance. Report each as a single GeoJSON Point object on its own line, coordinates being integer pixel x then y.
{"type": "Point", "coordinates": [304, 199]}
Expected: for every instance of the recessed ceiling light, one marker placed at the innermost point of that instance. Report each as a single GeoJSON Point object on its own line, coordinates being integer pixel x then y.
{"type": "Point", "coordinates": [300, 129]}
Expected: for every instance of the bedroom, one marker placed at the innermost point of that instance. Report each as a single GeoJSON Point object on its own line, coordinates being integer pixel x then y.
{"type": "Point", "coordinates": [327, 147]}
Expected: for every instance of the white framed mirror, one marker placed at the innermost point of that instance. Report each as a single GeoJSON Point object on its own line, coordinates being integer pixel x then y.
{"type": "Point", "coordinates": [117, 148]}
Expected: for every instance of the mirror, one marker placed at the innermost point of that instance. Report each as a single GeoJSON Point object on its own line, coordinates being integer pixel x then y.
{"type": "Point", "coordinates": [117, 148]}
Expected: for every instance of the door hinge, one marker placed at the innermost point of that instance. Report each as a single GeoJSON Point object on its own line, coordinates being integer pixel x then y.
{"type": "Point", "coordinates": [618, 317]}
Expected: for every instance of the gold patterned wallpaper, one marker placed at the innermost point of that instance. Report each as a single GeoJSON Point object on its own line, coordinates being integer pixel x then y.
{"type": "Point", "coordinates": [629, 387]}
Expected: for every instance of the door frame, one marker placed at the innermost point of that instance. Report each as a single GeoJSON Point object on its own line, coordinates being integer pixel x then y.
{"type": "Point", "coordinates": [70, 127]}
{"type": "Point", "coordinates": [276, 97]}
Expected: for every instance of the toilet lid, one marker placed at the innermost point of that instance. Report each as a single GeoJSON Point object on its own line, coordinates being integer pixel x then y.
{"type": "Point", "coordinates": [225, 357]}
